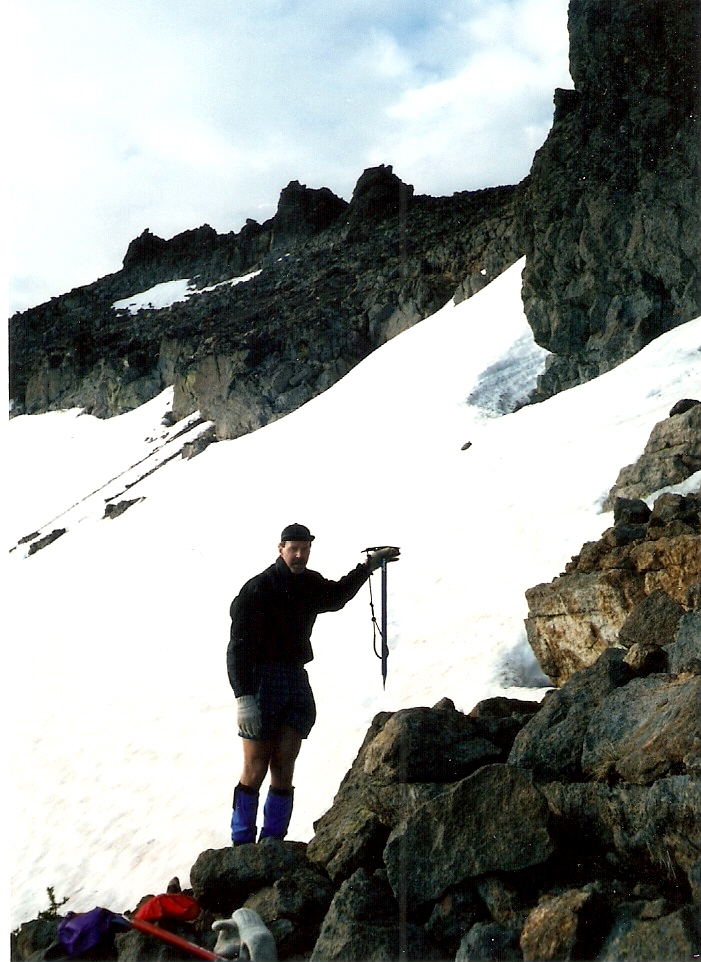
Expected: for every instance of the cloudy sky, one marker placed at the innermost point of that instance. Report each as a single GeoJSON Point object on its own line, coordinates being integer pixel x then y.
{"type": "Point", "coordinates": [168, 114]}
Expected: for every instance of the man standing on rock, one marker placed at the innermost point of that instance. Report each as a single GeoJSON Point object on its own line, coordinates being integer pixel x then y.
{"type": "Point", "coordinates": [271, 624]}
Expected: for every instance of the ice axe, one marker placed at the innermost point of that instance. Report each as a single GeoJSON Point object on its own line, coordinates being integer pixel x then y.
{"type": "Point", "coordinates": [170, 938]}
{"type": "Point", "coordinates": [384, 649]}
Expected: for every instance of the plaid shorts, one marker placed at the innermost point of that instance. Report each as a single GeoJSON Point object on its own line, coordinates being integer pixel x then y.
{"type": "Point", "coordinates": [284, 697]}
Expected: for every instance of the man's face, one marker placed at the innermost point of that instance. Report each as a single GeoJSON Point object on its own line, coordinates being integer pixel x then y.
{"type": "Point", "coordinates": [295, 554]}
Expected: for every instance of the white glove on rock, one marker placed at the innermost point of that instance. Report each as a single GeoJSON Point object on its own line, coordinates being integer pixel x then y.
{"type": "Point", "coordinates": [245, 936]}
{"type": "Point", "coordinates": [248, 716]}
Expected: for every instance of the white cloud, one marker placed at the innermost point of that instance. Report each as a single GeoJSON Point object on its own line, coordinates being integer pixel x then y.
{"type": "Point", "coordinates": [165, 114]}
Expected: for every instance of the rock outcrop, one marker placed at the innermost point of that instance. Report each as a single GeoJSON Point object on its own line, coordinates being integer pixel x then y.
{"type": "Point", "coordinates": [672, 454]}
{"type": "Point", "coordinates": [612, 239]}
{"type": "Point", "coordinates": [644, 571]}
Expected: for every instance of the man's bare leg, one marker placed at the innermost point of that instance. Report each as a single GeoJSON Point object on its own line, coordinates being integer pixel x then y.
{"type": "Point", "coordinates": [284, 751]}
{"type": "Point", "coordinates": [256, 760]}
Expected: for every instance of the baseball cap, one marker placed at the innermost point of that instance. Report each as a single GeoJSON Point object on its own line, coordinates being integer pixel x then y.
{"type": "Point", "coordinates": [296, 532]}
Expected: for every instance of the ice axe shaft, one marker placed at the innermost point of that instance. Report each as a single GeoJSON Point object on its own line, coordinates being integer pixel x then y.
{"type": "Point", "coordinates": [385, 649]}
{"type": "Point", "coordinates": [172, 939]}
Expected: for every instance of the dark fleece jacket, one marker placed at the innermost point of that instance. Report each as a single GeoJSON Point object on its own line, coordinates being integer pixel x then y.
{"type": "Point", "coordinates": [273, 615]}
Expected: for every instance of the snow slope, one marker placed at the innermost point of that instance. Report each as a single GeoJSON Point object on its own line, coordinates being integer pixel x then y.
{"type": "Point", "coordinates": [124, 748]}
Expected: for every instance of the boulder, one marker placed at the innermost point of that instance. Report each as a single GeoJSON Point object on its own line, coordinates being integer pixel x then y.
{"type": "Point", "coordinates": [685, 653]}
{"type": "Point", "coordinates": [550, 745]}
{"type": "Point", "coordinates": [654, 621]}
{"type": "Point", "coordinates": [500, 719]}
{"type": "Point", "coordinates": [635, 938]}
{"type": "Point", "coordinates": [427, 745]}
{"type": "Point", "coordinates": [652, 833]}
{"type": "Point", "coordinates": [578, 615]}
{"type": "Point", "coordinates": [671, 564]}
{"type": "Point", "coordinates": [646, 659]}
{"type": "Point", "coordinates": [222, 879]}
{"type": "Point", "coordinates": [407, 759]}
{"type": "Point", "coordinates": [567, 926]}
{"type": "Point", "coordinates": [503, 901]}
{"type": "Point", "coordinates": [633, 511]}
{"type": "Point", "coordinates": [34, 937]}
{"type": "Point", "coordinates": [363, 924]}
{"type": "Point", "coordinates": [493, 821]}
{"type": "Point", "coordinates": [647, 730]}
{"type": "Point", "coordinates": [349, 835]}
{"type": "Point", "coordinates": [453, 916]}
{"type": "Point", "coordinates": [487, 941]}
{"type": "Point", "coordinates": [632, 586]}
{"type": "Point", "coordinates": [301, 900]}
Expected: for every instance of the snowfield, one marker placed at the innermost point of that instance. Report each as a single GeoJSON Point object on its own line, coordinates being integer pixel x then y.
{"type": "Point", "coordinates": [124, 753]}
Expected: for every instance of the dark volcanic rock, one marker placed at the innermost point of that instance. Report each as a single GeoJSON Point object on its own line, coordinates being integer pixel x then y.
{"type": "Point", "coordinates": [349, 835]}
{"type": "Point", "coordinates": [647, 730]}
{"type": "Point", "coordinates": [222, 879]}
{"type": "Point", "coordinates": [364, 925]}
{"type": "Point", "coordinates": [334, 282]}
{"type": "Point", "coordinates": [685, 653]}
{"type": "Point", "coordinates": [613, 243]}
{"type": "Point", "coordinates": [655, 620]}
{"type": "Point", "coordinates": [302, 213]}
{"type": "Point", "coordinates": [379, 194]}
{"type": "Point", "coordinates": [408, 758]}
{"type": "Point", "coordinates": [641, 935]}
{"type": "Point", "coordinates": [551, 744]}
{"type": "Point", "coordinates": [650, 833]}
{"type": "Point", "coordinates": [427, 745]}
{"type": "Point", "coordinates": [493, 821]}
{"type": "Point", "coordinates": [457, 912]}
{"type": "Point", "coordinates": [490, 942]}
{"type": "Point", "coordinates": [301, 901]}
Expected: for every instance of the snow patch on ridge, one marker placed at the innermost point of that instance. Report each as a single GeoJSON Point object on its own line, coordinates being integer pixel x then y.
{"type": "Point", "coordinates": [167, 293]}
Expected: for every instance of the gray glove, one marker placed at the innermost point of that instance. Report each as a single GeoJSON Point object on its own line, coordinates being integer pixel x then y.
{"type": "Point", "coordinates": [244, 936]}
{"type": "Point", "coordinates": [248, 716]}
{"type": "Point", "coordinates": [375, 558]}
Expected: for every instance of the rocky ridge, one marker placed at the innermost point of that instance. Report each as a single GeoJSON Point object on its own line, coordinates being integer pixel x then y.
{"type": "Point", "coordinates": [608, 220]}
{"type": "Point", "coordinates": [569, 829]}
{"type": "Point", "coordinates": [333, 281]}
